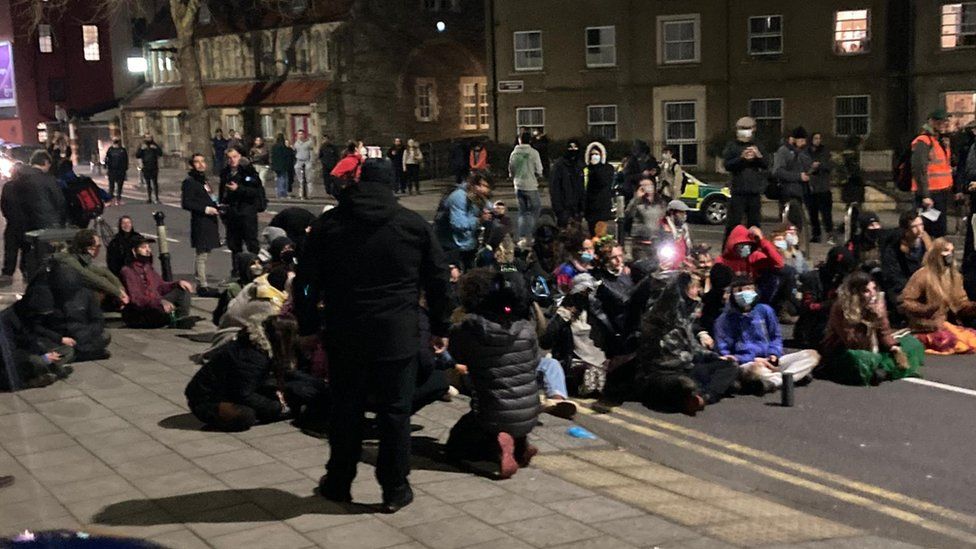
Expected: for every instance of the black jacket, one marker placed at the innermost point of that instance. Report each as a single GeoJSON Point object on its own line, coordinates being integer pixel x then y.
{"type": "Point", "coordinates": [749, 177]}
{"type": "Point", "coordinates": [669, 341]}
{"type": "Point", "coordinates": [896, 266]}
{"type": "Point", "coordinates": [566, 188]}
{"type": "Point", "coordinates": [599, 193]}
{"type": "Point", "coordinates": [14, 199]}
{"type": "Point", "coordinates": [57, 304]}
{"type": "Point", "coordinates": [243, 204]}
{"type": "Point", "coordinates": [328, 156]}
{"type": "Point", "coordinates": [46, 208]}
{"type": "Point", "coordinates": [117, 161]}
{"type": "Point", "coordinates": [820, 177]}
{"type": "Point", "coordinates": [204, 229]}
{"type": "Point", "coordinates": [372, 258]}
{"type": "Point", "coordinates": [119, 251]}
{"type": "Point", "coordinates": [502, 363]}
{"type": "Point", "coordinates": [294, 221]}
{"type": "Point", "coordinates": [150, 154]}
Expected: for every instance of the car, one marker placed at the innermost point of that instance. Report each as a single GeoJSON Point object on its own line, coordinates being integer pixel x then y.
{"type": "Point", "coordinates": [709, 201]}
{"type": "Point", "coordinates": [12, 154]}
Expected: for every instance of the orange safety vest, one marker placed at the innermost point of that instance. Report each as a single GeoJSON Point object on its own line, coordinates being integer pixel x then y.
{"type": "Point", "coordinates": [939, 169]}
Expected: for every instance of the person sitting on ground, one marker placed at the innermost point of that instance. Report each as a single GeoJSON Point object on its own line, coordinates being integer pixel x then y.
{"type": "Point", "coordinates": [80, 256]}
{"type": "Point", "coordinates": [818, 290]}
{"type": "Point", "coordinates": [748, 333]}
{"type": "Point", "coordinates": [153, 302]}
{"type": "Point", "coordinates": [263, 297]}
{"type": "Point", "coordinates": [859, 348]}
{"type": "Point", "coordinates": [35, 363]}
{"type": "Point", "coordinates": [252, 379]}
{"type": "Point", "coordinates": [934, 302]}
{"type": "Point", "coordinates": [70, 315]}
{"type": "Point", "coordinates": [866, 244]}
{"type": "Point", "coordinates": [716, 296]}
{"type": "Point", "coordinates": [268, 235]}
{"type": "Point", "coordinates": [282, 254]}
{"type": "Point", "coordinates": [568, 339]}
{"type": "Point", "coordinates": [643, 214]}
{"type": "Point", "coordinates": [496, 341]}
{"type": "Point", "coordinates": [674, 237]}
{"type": "Point", "coordinates": [582, 255]}
{"type": "Point", "coordinates": [747, 253]}
{"type": "Point", "coordinates": [118, 252]}
{"type": "Point", "coordinates": [295, 222]}
{"type": "Point", "coordinates": [787, 242]}
{"type": "Point", "coordinates": [677, 370]}
{"type": "Point", "coordinates": [901, 256]}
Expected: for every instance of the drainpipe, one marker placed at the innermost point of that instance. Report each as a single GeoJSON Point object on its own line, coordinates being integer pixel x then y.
{"type": "Point", "coordinates": [490, 21]}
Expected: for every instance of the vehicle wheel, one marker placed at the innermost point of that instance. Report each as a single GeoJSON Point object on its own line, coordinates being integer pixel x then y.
{"type": "Point", "coordinates": [715, 210]}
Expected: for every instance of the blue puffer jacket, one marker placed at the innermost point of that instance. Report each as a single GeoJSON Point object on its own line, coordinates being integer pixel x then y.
{"type": "Point", "coordinates": [748, 335]}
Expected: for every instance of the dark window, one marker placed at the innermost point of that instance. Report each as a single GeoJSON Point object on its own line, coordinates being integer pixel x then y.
{"type": "Point", "coordinates": [56, 91]}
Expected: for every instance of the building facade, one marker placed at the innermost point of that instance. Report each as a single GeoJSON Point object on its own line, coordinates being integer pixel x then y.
{"type": "Point", "coordinates": [353, 69]}
{"type": "Point", "coordinates": [680, 73]}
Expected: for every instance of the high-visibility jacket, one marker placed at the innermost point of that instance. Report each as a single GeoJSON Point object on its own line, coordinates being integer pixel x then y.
{"type": "Point", "coordinates": [939, 169]}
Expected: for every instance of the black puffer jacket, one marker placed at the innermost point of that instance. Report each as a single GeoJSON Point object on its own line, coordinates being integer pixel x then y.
{"type": "Point", "coordinates": [502, 363]}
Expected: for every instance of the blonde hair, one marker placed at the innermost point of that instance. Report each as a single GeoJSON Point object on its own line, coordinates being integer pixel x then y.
{"type": "Point", "coordinates": [939, 278]}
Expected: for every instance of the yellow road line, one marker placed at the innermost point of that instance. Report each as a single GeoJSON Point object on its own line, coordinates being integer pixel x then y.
{"type": "Point", "coordinates": [900, 514]}
{"type": "Point", "coordinates": [848, 483]}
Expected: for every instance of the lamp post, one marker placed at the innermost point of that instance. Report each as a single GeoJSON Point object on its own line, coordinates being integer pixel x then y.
{"type": "Point", "coordinates": [164, 262]}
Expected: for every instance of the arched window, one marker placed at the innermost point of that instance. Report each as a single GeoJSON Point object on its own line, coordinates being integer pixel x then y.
{"type": "Point", "coordinates": [302, 60]}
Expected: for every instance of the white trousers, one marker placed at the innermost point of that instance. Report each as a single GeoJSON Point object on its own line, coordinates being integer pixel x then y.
{"type": "Point", "coordinates": [800, 364]}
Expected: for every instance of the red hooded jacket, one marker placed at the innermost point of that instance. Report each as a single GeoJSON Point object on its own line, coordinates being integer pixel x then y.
{"type": "Point", "coordinates": [761, 259]}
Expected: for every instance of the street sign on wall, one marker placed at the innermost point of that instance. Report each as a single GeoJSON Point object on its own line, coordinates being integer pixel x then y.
{"type": "Point", "coordinates": [511, 86]}
{"type": "Point", "coordinates": [8, 92]}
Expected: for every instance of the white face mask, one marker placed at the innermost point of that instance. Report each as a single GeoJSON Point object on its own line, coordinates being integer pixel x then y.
{"type": "Point", "coordinates": [595, 159]}
{"type": "Point", "coordinates": [792, 239]}
{"type": "Point", "coordinates": [743, 133]}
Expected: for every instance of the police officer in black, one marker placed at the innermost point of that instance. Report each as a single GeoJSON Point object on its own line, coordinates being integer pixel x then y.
{"type": "Point", "coordinates": [241, 199]}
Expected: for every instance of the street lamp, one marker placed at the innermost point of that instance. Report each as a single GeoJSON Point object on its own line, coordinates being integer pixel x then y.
{"type": "Point", "coordinates": [441, 26]}
{"type": "Point", "coordinates": [137, 64]}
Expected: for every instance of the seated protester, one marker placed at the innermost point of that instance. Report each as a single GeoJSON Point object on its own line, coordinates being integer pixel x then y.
{"type": "Point", "coordinates": [75, 317]}
{"type": "Point", "coordinates": [581, 259]}
{"type": "Point", "coordinates": [500, 217]}
{"type": "Point", "coordinates": [677, 372]}
{"type": "Point", "coordinates": [866, 244]}
{"type": "Point", "coordinates": [252, 379]}
{"type": "Point", "coordinates": [568, 338]}
{"type": "Point", "coordinates": [818, 289]}
{"type": "Point", "coordinates": [702, 262]}
{"type": "Point", "coordinates": [432, 383]}
{"type": "Point", "coordinates": [747, 253]}
{"type": "Point", "coordinates": [859, 348]}
{"type": "Point", "coordinates": [714, 300]}
{"type": "Point", "coordinates": [748, 333]}
{"type": "Point", "coordinates": [268, 235]}
{"type": "Point", "coordinates": [497, 342]}
{"type": "Point", "coordinates": [674, 237]}
{"type": "Point", "coordinates": [643, 215]}
{"type": "Point", "coordinates": [263, 297]}
{"type": "Point", "coordinates": [295, 222]}
{"type": "Point", "coordinates": [901, 255]}
{"type": "Point", "coordinates": [795, 265]}
{"type": "Point", "coordinates": [33, 363]}
{"type": "Point", "coordinates": [119, 250]}
{"type": "Point", "coordinates": [934, 301]}
{"type": "Point", "coordinates": [282, 254]}
{"type": "Point", "coordinates": [249, 267]}
{"type": "Point", "coordinates": [614, 316]}
{"type": "Point", "coordinates": [82, 251]}
{"type": "Point", "coordinates": [153, 302]}
{"type": "Point", "coordinates": [787, 242]}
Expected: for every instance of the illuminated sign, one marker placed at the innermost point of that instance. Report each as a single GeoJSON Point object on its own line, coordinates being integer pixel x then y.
{"type": "Point", "coordinates": [8, 92]}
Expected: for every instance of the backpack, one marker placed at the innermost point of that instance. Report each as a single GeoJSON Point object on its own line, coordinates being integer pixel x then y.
{"type": "Point", "coordinates": [902, 172]}
{"type": "Point", "coordinates": [84, 201]}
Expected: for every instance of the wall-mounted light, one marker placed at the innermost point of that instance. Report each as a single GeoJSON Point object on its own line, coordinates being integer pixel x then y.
{"type": "Point", "coordinates": [137, 64]}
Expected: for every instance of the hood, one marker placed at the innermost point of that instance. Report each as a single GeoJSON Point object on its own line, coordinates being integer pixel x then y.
{"type": "Point", "coordinates": [256, 335]}
{"type": "Point", "coordinates": [263, 289]}
{"type": "Point", "coordinates": [598, 146]}
{"type": "Point", "coordinates": [243, 262]}
{"type": "Point", "coordinates": [739, 235]}
{"type": "Point", "coordinates": [368, 201]}
{"type": "Point", "coordinates": [492, 334]}
{"type": "Point", "coordinates": [270, 234]}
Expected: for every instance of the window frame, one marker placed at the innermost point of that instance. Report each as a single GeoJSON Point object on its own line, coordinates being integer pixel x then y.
{"type": "Point", "coordinates": [958, 36]}
{"type": "Point", "coordinates": [680, 143]}
{"type": "Point", "coordinates": [612, 46]}
{"type": "Point", "coordinates": [45, 38]}
{"type": "Point", "coordinates": [478, 101]}
{"type": "Point", "coordinates": [176, 145]}
{"type": "Point", "coordinates": [782, 108]}
{"type": "Point", "coordinates": [616, 121]}
{"type": "Point", "coordinates": [430, 86]}
{"type": "Point", "coordinates": [518, 124]}
{"type": "Point", "coordinates": [834, 42]}
{"type": "Point", "coordinates": [662, 22]}
{"type": "Point", "coordinates": [955, 114]}
{"type": "Point", "coordinates": [750, 35]}
{"type": "Point", "coordinates": [837, 117]}
{"type": "Point", "coordinates": [90, 51]}
{"type": "Point", "coordinates": [516, 50]}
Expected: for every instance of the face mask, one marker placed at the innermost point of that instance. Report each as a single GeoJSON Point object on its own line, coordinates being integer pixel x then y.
{"type": "Point", "coordinates": [745, 298]}
{"type": "Point", "coordinates": [288, 257]}
{"type": "Point", "coordinates": [594, 159]}
{"type": "Point", "coordinates": [146, 259]}
{"type": "Point", "coordinates": [947, 260]}
{"type": "Point", "coordinates": [742, 133]}
{"type": "Point", "coordinates": [744, 251]}
{"type": "Point", "coordinates": [872, 234]}
{"type": "Point", "coordinates": [782, 244]}
{"type": "Point", "coordinates": [586, 257]}
{"type": "Point", "coordinates": [792, 239]}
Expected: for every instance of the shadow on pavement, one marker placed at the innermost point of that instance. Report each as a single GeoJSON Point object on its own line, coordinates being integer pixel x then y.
{"type": "Point", "coordinates": [428, 454]}
{"type": "Point", "coordinates": [182, 422]}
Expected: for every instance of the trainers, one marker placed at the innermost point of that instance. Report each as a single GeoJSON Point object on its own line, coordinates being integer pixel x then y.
{"type": "Point", "coordinates": [694, 403]}
{"type": "Point", "coordinates": [42, 380]}
{"type": "Point", "coordinates": [565, 409]}
{"type": "Point", "coordinates": [507, 466]}
{"type": "Point", "coordinates": [450, 394]}
{"type": "Point", "coordinates": [206, 291]}
{"type": "Point", "coordinates": [331, 492]}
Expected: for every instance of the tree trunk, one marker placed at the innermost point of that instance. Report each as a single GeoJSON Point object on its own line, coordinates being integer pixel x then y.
{"type": "Point", "coordinates": [184, 13]}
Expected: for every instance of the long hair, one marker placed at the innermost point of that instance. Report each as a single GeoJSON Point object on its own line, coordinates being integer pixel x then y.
{"type": "Point", "coordinates": [282, 332]}
{"type": "Point", "coordinates": [939, 278]}
{"type": "Point", "coordinates": [851, 298]}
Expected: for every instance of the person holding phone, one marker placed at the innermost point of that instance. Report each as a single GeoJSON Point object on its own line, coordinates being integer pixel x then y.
{"type": "Point", "coordinates": [749, 168]}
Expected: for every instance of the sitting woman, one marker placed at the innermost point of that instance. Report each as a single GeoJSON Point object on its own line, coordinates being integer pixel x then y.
{"type": "Point", "coordinates": [263, 297]}
{"type": "Point", "coordinates": [581, 253]}
{"type": "Point", "coordinates": [933, 296]}
{"type": "Point", "coordinates": [119, 253]}
{"type": "Point", "coordinates": [859, 348]}
{"type": "Point", "coordinates": [787, 242]}
{"type": "Point", "coordinates": [252, 379]}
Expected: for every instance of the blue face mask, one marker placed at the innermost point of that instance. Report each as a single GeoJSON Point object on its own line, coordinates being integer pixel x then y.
{"type": "Point", "coordinates": [781, 244]}
{"type": "Point", "coordinates": [745, 251]}
{"type": "Point", "coordinates": [586, 257]}
{"type": "Point", "coordinates": [746, 298]}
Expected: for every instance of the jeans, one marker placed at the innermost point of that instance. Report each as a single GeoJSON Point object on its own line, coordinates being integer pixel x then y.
{"type": "Point", "coordinates": [303, 174]}
{"type": "Point", "coordinates": [938, 227]}
{"type": "Point", "coordinates": [281, 185]}
{"type": "Point", "coordinates": [530, 205]}
{"type": "Point", "coordinates": [820, 206]}
{"type": "Point", "coordinates": [553, 377]}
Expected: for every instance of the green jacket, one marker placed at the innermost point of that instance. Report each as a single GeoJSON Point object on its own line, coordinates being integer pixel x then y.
{"type": "Point", "coordinates": [96, 277]}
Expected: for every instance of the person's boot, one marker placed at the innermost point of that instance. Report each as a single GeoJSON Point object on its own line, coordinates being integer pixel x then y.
{"type": "Point", "coordinates": [42, 380]}
{"type": "Point", "coordinates": [693, 404]}
{"type": "Point", "coordinates": [397, 499]}
{"type": "Point", "coordinates": [507, 466]}
{"type": "Point", "coordinates": [335, 491]}
{"type": "Point", "coordinates": [559, 407]}
{"type": "Point", "coordinates": [61, 371]}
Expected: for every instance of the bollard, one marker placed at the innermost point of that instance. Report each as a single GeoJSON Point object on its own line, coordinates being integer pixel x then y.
{"type": "Point", "coordinates": [787, 390]}
{"type": "Point", "coordinates": [164, 262]}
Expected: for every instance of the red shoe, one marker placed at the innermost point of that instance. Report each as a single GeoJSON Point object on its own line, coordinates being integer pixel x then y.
{"type": "Point", "coordinates": [507, 464]}
{"type": "Point", "coordinates": [693, 404]}
{"type": "Point", "coordinates": [527, 455]}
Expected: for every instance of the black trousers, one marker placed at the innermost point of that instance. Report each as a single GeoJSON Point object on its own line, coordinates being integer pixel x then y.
{"type": "Point", "coordinates": [413, 177]}
{"type": "Point", "coordinates": [240, 234]}
{"type": "Point", "coordinates": [939, 227]}
{"type": "Point", "coordinates": [156, 318]}
{"type": "Point", "coordinates": [744, 205]}
{"type": "Point", "coordinates": [115, 182]}
{"type": "Point", "coordinates": [820, 207]}
{"type": "Point", "coordinates": [472, 442]}
{"type": "Point", "coordinates": [14, 243]}
{"type": "Point", "coordinates": [389, 385]}
{"type": "Point", "coordinates": [151, 177]}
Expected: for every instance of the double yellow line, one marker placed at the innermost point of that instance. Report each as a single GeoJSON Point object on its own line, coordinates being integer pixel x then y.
{"type": "Point", "coordinates": [848, 490]}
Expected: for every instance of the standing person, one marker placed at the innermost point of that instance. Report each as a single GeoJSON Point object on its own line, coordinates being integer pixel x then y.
{"type": "Point", "coordinates": [374, 258]}
{"type": "Point", "coordinates": [566, 191]}
{"type": "Point", "coordinates": [412, 159]}
{"type": "Point", "coordinates": [219, 151]}
{"type": "Point", "coordinates": [598, 182]}
{"type": "Point", "coordinates": [458, 161]}
{"type": "Point", "coordinates": [525, 169]}
{"type": "Point", "coordinates": [745, 161]}
{"type": "Point", "coordinates": [395, 154]}
{"type": "Point", "coordinates": [14, 200]}
{"type": "Point", "coordinates": [243, 197]}
{"type": "Point", "coordinates": [792, 166]}
{"type": "Point", "coordinates": [46, 207]}
{"type": "Point", "coordinates": [304, 152]}
{"type": "Point", "coordinates": [260, 157]}
{"type": "Point", "coordinates": [329, 157]}
{"type": "Point", "coordinates": [478, 158]}
{"type": "Point", "coordinates": [672, 176]}
{"type": "Point", "coordinates": [280, 165]}
{"type": "Point", "coordinates": [460, 218]}
{"type": "Point", "coordinates": [117, 164]}
{"type": "Point", "coordinates": [540, 142]}
{"type": "Point", "coordinates": [234, 140]}
{"type": "Point", "coordinates": [639, 164]}
{"type": "Point", "coordinates": [820, 201]}
{"type": "Point", "coordinates": [149, 153]}
{"type": "Point", "coordinates": [644, 213]}
{"type": "Point", "coordinates": [198, 198]}
{"type": "Point", "coordinates": [932, 171]}
{"type": "Point", "coordinates": [60, 150]}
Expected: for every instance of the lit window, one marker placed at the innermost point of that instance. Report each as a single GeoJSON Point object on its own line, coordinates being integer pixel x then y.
{"type": "Point", "coordinates": [142, 128]}
{"type": "Point", "coordinates": [474, 103]}
{"type": "Point", "coordinates": [958, 25]}
{"type": "Point", "coordinates": [484, 115]}
{"type": "Point", "coordinates": [962, 109]}
{"type": "Point", "coordinates": [852, 32]}
{"type": "Point", "coordinates": [528, 51]}
{"type": "Point", "coordinates": [679, 39]}
{"type": "Point", "coordinates": [424, 100]}
{"type": "Point", "coordinates": [89, 36]}
{"type": "Point", "coordinates": [601, 46]}
{"type": "Point", "coordinates": [681, 130]}
{"type": "Point", "coordinates": [232, 122]}
{"type": "Point", "coordinates": [766, 35]}
{"type": "Point", "coordinates": [173, 134]}
{"type": "Point", "coordinates": [852, 115]}
{"type": "Point", "coordinates": [602, 121]}
{"type": "Point", "coordinates": [267, 126]}
{"type": "Point", "coordinates": [531, 118]}
{"type": "Point", "coordinates": [45, 41]}
{"type": "Point", "coordinates": [769, 116]}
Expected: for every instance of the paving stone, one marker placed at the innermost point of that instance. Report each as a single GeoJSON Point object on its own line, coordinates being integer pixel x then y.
{"type": "Point", "coordinates": [71, 472]}
{"type": "Point", "coordinates": [58, 391]}
{"type": "Point", "coordinates": [550, 531]}
{"type": "Point", "coordinates": [595, 509]}
{"type": "Point", "coordinates": [858, 542]}
{"type": "Point", "coordinates": [213, 523]}
{"type": "Point", "coordinates": [611, 458]}
{"type": "Point", "coordinates": [92, 488]}
{"type": "Point", "coordinates": [160, 464]}
{"type": "Point", "coordinates": [219, 443]}
{"type": "Point", "coordinates": [271, 536]}
{"type": "Point", "coordinates": [60, 456]}
{"type": "Point", "coordinates": [559, 462]}
{"type": "Point", "coordinates": [468, 489]}
{"type": "Point", "coordinates": [595, 478]}
{"type": "Point", "coordinates": [421, 511]}
{"type": "Point", "coordinates": [426, 476]}
{"type": "Point", "coordinates": [654, 473]}
{"type": "Point", "coordinates": [369, 533]}
{"type": "Point", "coordinates": [10, 402]}
{"type": "Point", "coordinates": [268, 474]}
{"type": "Point", "coordinates": [700, 489]}
{"type": "Point", "coordinates": [753, 532]}
{"type": "Point", "coordinates": [326, 516]}
{"type": "Point", "coordinates": [692, 512]}
{"type": "Point", "coordinates": [697, 543]}
{"type": "Point", "coordinates": [542, 487]}
{"type": "Point", "coordinates": [411, 545]}
{"type": "Point", "coordinates": [180, 539]}
{"type": "Point", "coordinates": [180, 482]}
{"type": "Point", "coordinates": [112, 509]}
{"type": "Point", "coordinates": [25, 425]}
{"type": "Point", "coordinates": [20, 515]}
{"type": "Point", "coordinates": [752, 506]}
{"type": "Point", "coordinates": [454, 532]}
{"type": "Point", "coordinates": [287, 442]}
{"type": "Point", "coordinates": [73, 410]}
{"type": "Point", "coordinates": [602, 542]}
{"type": "Point", "coordinates": [53, 441]}
{"type": "Point", "coordinates": [25, 489]}
{"type": "Point", "coordinates": [815, 527]}
{"type": "Point", "coordinates": [140, 397]}
{"type": "Point", "coordinates": [97, 425]}
{"type": "Point", "coordinates": [505, 542]}
{"type": "Point", "coordinates": [645, 531]}
{"type": "Point", "coordinates": [127, 453]}
{"type": "Point", "coordinates": [141, 525]}
{"type": "Point", "coordinates": [502, 509]}
{"type": "Point", "coordinates": [116, 437]}
{"type": "Point", "coordinates": [311, 457]}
